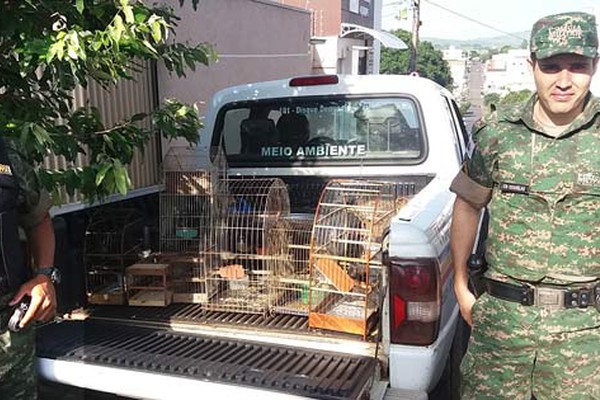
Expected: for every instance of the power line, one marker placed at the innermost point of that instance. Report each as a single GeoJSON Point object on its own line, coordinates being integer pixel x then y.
{"type": "Point", "coordinates": [474, 20]}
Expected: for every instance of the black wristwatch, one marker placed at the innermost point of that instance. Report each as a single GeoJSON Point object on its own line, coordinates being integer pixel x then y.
{"type": "Point", "coordinates": [51, 272]}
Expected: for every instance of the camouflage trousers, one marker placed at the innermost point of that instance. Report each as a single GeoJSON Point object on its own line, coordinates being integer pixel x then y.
{"type": "Point", "coordinates": [518, 351]}
{"type": "Point", "coordinates": [17, 368]}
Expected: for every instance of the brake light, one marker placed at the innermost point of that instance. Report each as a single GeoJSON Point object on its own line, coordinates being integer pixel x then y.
{"type": "Point", "coordinates": [314, 80]}
{"type": "Point", "coordinates": [414, 301]}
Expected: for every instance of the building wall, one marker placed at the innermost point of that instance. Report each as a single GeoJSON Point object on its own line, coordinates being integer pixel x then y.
{"type": "Point", "coordinates": [115, 104]}
{"type": "Point", "coordinates": [458, 69]}
{"type": "Point", "coordinates": [276, 47]}
{"type": "Point", "coordinates": [255, 40]}
{"type": "Point", "coordinates": [326, 15]}
{"type": "Point", "coordinates": [358, 12]}
{"type": "Point", "coordinates": [507, 72]}
{"type": "Point", "coordinates": [595, 87]}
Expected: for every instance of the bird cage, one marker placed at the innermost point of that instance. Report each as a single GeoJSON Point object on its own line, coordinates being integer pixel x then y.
{"type": "Point", "coordinates": [149, 284]}
{"type": "Point", "coordinates": [290, 286]}
{"type": "Point", "coordinates": [249, 245]}
{"type": "Point", "coordinates": [188, 208]}
{"type": "Point", "coordinates": [112, 241]}
{"type": "Point", "coordinates": [188, 277]}
{"type": "Point", "coordinates": [345, 259]}
{"type": "Point", "coordinates": [186, 201]}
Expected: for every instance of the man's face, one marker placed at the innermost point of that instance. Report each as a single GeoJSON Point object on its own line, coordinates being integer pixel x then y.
{"type": "Point", "coordinates": [562, 81]}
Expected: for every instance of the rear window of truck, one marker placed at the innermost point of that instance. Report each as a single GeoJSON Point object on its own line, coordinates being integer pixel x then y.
{"type": "Point", "coordinates": [322, 130]}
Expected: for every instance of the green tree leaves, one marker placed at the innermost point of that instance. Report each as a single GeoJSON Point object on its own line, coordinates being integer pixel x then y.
{"type": "Point", "coordinates": [510, 98]}
{"type": "Point", "coordinates": [49, 48]}
{"type": "Point", "coordinates": [430, 63]}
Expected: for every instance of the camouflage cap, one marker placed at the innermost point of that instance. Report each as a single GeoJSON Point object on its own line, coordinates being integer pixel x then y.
{"type": "Point", "coordinates": [568, 33]}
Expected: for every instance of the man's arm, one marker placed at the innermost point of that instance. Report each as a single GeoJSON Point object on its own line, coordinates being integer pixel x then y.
{"type": "Point", "coordinates": [40, 288]}
{"type": "Point", "coordinates": [465, 221]}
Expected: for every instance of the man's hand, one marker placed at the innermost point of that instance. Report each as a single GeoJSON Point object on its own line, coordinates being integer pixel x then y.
{"type": "Point", "coordinates": [465, 221]}
{"type": "Point", "coordinates": [43, 299]}
{"type": "Point", "coordinates": [465, 300]}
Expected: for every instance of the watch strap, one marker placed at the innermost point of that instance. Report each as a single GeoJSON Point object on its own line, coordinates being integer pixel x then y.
{"type": "Point", "coordinates": [51, 272]}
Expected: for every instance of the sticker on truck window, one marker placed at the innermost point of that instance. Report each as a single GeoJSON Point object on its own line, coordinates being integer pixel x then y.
{"type": "Point", "coordinates": [348, 150]}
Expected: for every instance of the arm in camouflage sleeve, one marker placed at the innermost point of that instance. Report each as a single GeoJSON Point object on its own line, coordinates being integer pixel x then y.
{"type": "Point", "coordinates": [473, 186]}
{"type": "Point", "coordinates": [33, 206]}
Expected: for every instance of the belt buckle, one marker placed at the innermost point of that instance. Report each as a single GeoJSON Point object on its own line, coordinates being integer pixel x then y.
{"type": "Point", "coordinates": [550, 298]}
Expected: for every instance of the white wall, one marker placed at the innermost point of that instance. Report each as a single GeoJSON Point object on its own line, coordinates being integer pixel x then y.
{"type": "Point", "coordinates": [596, 84]}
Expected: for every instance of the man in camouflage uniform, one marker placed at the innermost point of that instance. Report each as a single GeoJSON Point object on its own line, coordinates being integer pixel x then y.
{"type": "Point", "coordinates": [18, 187]}
{"type": "Point", "coordinates": [536, 328]}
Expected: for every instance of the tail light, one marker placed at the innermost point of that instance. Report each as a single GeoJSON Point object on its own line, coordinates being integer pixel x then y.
{"type": "Point", "coordinates": [314, 80]}
{"type": "Point", "coordinates": [414, 301]}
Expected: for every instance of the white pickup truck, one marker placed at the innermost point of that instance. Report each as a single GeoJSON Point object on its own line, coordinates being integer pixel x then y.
{"type": "Point", "coordinates": [322, 142]}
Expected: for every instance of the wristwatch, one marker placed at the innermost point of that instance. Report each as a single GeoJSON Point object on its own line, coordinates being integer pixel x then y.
{"type": "Point", "coordinates": [51, 272]}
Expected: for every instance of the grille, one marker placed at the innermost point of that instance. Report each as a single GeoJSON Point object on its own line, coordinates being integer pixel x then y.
{"type": "Point", "coordinates": [324, 375]}
{"type": "Point", "coordinates": [194, 314]}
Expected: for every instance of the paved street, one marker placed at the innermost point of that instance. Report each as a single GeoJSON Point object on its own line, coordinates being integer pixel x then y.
{"type": "Point", "coordinates": [475, 95]}
{"type": "Point", "coordinates": [476, 80]}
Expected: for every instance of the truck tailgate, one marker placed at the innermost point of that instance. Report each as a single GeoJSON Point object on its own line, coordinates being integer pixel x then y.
{"type": "Point", "coordinates": [300, 372]}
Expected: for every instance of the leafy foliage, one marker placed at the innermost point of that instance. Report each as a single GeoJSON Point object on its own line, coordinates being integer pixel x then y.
{"type": "Point", "coordinates": [517, 97]}
{"type": "Point", "coordinates": [430, 62]}
{"type": "Point", "coordinates": [511, 98]}
{"type": "Point", "coordinates": [48, 48]}
{"type": "Point", "coordinates": [464, 107]}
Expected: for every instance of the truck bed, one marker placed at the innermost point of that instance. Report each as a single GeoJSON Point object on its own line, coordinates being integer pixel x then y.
{"type": "Point", "coordinates": [161, 352]}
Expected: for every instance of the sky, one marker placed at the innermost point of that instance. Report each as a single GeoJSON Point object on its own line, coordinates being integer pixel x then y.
{"type": "Point", "coordinates": [439, 18]}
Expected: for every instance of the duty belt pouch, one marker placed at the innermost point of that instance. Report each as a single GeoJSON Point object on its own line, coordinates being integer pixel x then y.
{"type": "Point", "coordinates": [477, 267]}
{"type": "Point", "coordinates": [477, 264]}
{"type": "Point", "coordinates": [12, 269]}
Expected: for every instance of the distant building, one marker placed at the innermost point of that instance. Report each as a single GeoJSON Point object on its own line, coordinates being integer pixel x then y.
{"type": "Point", "coordinates": [458, 63]}
{"type": "Point", "coordinates": [596, 84]}
{"type": "Point", "coordinates": [346, 35]}
{"type": "Point", "coordinates": [596, 81]}
{"type": "Point", "coordinates": [508, 72]}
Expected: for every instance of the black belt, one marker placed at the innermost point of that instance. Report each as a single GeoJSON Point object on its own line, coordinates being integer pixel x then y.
{"type": "Point", "coordinates": [546, 296]}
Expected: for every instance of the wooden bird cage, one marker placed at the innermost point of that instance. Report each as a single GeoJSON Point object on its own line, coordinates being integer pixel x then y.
{"type": "Point", "coordinates": [149, 284]}
{"type": "Point", "coordinates": [345, 259]}
{"type": "Point", "coordinates": [249, 246]}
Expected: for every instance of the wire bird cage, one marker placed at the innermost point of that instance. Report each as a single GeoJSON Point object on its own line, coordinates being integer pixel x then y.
{"type": "Point", "coordinates": [189, 206]}
{"type": "Point", "coordinates": [290, 286]}
{"type": "Point", "coordinates": [112, 242]}
{"type": "Point", "coordinates": [250, 245]}
{"type": "Point", "coordinates": [345, 258]}
{"type": "Point", "coordinates": [186, 203]}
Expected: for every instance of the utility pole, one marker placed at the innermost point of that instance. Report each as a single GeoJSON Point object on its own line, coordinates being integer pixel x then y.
{"type": "Point", "coordinates": [415, 35]}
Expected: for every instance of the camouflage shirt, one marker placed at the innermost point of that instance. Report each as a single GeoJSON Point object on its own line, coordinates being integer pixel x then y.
{"type": "Point", "coordinates": [33, 202]}
{"type": "Point", "coordinates": [543, 191]}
